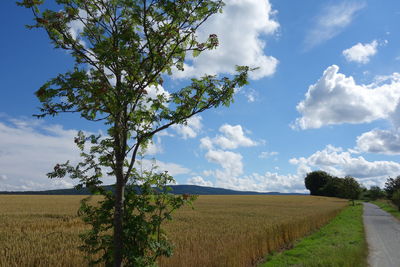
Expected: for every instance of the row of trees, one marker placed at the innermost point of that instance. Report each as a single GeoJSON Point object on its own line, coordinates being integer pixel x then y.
{"type": "Point", "coordinates": [321, 183]}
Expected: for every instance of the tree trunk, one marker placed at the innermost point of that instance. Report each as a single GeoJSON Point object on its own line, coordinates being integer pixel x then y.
{"type": "Point", "coordinates": [119, 149]}
{"type": "Point", "coordinates": [118, 219]}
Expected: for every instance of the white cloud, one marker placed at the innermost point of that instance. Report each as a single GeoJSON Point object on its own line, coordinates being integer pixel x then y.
{"type": "Point", "coordinates": [332, 21]}
{"type": "Point", "coordinates": [267, 182]}
{"type": "Point", "coordinates": [153, 92]}
{"type": "Point", "coordinates": [338, 162]}
{"type": "Point", "coordinates": [250, 94]}
{"type": "Point", "coordinates": [191, 129]}
{"type": "Point", "coordinates": [76, 26]}
{"type": "Point", "coordinates": [337, 99]}
{"type": "Point", "coordinates": [334, 160]}
{"type": "Point", "coordinates": [172, 168]}
{"type": "Point", "coordinates": [241, 44]}
{"type": "Point", "coordinates": [154, 147]}
{"type": "Point", "coordinates": [274, 182]}
{"type": "Point", "coordinates": [231, 162]}
{"type": "Point", "coordinates": [198, 180]}
{"type": "Point", "coordinates": [361, 53]}
{"type": "Point", "coordinates": [31, 148]}
{"type": "Point", "coordinates": [231, 172]}
{"type": "Point", "coordinates": [379, 141]}
{"type": "Point", "coordinates": [232, 137]}
{"type": "Point", "coordinates": [267, 154]}
{"type": "Point", "coordinates": [206, 143]}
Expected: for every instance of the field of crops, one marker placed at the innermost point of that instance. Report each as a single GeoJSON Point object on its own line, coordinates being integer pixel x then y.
{"type": "Point", "coordinates": [220, 231]}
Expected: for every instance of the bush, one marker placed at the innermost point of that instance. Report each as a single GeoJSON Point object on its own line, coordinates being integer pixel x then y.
{"type": "Point", "coordinates": [374, 193]}
{"type": "Point", "coordinates": [392, 185]}
{"type": "Point", "coordinates": [148, 204]}
{"type": "Point", "coordinates": [396, 198]}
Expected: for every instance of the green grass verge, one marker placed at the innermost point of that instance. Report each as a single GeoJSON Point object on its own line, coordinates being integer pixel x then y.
{"type": "Point", "coordinates": [388, 206]}
{"type": "Point", "coordinates": [339, 243]}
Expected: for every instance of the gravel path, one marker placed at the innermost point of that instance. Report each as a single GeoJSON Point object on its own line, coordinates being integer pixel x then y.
{"type": "Point", "coordinates": [383, 237]}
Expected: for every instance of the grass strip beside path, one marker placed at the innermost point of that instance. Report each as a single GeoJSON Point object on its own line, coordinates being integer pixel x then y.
{"type": "Point", "coordinates": [387, 206]}
{"type": "Point", "coordinates": [339, 243]}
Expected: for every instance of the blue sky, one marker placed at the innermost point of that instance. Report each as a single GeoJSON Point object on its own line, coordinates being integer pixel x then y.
{"type": "Point", "coordinates": [325, 97]}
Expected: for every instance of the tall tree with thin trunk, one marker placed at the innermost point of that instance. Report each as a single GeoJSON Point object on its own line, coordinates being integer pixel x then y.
{"type": "Point", "coordinates": [123, 49]}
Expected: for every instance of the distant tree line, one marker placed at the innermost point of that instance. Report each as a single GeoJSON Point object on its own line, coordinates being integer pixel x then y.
{"type": "Point", "coordinates": [321, 183]}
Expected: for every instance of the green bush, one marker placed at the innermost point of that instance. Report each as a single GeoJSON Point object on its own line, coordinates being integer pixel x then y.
{"type": "Point", "coordinates": [392, 185]}
{"type": "Point", "coordinates": [396, 198]}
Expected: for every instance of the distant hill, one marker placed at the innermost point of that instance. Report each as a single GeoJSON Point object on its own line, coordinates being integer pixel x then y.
{"type": "Point", "coordinates": [176, 189]}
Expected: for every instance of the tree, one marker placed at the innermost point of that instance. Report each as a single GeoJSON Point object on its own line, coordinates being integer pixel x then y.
{"type": "Point", "coordinates": [122, 54]}
{"type": "Point", "coordinates": [332, 188]}
{"type": "Point", "coordinates": [315, 181]}
{"type": "Point", "coordinates": [350, 189]}
{"type": "Point", "coordinates": [392, 185]}
{"type": "Point", "coordinates": [375, 192]}
{"type": "Point", "coordinates": [396, 198]}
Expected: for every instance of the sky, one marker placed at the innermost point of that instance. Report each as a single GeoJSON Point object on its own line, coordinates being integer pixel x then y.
{"type": "Point", "coordinates": [325, 96]}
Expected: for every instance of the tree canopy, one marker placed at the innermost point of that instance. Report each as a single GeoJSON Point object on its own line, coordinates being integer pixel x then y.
{"type": "Point", "coordinates": [123, 51]}
{"type": "Point", "coordinates": [392, 185]}
{"type": "Point", "coordinates": [315, 181]}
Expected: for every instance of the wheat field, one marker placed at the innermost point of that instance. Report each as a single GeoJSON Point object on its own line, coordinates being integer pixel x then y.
{"type": "Point", "coordinates": [220, 231]}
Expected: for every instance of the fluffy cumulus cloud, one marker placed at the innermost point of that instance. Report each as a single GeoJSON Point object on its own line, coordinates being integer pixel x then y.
{"type": "Point", "coordinates": [337, 99]}
{"type": "Point", "coordinates": [191, 129]}
{"type": "Point", "coordinates": [361, 53]}
{"type": "Point", "coordinates": [275, 182]}
{"type": "Point", "coordinates": [341, 163]}
{"type": "Point", "coordinates": [379, 141]}
{"type": "Point", "coordinates": [230, 162]}
{"type": "Point", "coordinates": [198, 180]}
{"type": "Point", "coordinates": [242, 44]}
{"type": "Point", "coordinates": [331, 21]}
{"type": "Point", "coordinates": [232, 137]}
{"type": "Point", "coordinates": [266, 182]}
{"type": "Point", "coordinates": [230, 173]}
{"type": "Point", "coordinates": [382, 141]}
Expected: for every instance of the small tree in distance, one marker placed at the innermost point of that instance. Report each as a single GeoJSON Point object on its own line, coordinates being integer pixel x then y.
{"type": "Point", "coordinates": [396, 198]}
{"type": "Point", "coordinates": [124, 51]}
{"type": "Point", "coordinates": [350, 189]}
{"type": "Point", "coordinates": [392, 185]}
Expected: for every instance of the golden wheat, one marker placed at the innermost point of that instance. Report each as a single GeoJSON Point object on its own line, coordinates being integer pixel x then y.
{"type": "Point", "coordinates": [220, 231]}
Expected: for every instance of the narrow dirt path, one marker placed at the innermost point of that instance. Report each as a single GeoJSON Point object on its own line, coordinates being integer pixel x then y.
{"type": "Point", "coordinates": [383, 237]}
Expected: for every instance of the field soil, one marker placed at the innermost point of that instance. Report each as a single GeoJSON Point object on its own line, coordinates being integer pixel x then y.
{"type": "Point", "coordinates": [219, 231]}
